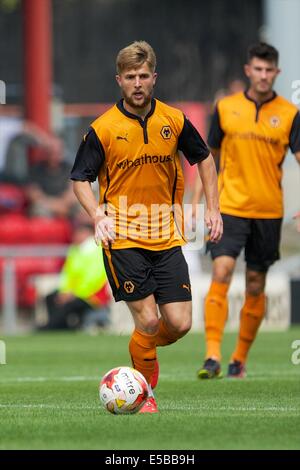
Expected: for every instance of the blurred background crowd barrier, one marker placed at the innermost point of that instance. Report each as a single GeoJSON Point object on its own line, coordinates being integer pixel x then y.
{"type": "Point", "coordinates": [57, 72]}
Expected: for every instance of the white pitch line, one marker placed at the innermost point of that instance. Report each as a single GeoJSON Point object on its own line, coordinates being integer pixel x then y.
{"type": "Point", "coordinates": [75, 378]}
{"type": "Point", "coordinates": [287, 375]}
{"type": "Point", "coordinates": [48, 406]}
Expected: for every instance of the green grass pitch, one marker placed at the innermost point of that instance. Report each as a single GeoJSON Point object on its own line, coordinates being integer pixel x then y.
{"type": "Point", "coordinates": [49, 396]}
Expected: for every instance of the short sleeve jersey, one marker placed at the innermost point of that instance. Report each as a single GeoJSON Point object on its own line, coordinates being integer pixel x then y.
{"type": "Point", "coordinates": [140, 177]}
{"type": "Point", "coordinates": [253, 141]}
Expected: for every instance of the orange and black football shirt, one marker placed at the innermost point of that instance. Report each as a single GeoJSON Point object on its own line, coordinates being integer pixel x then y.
{"type": "Point", "coordinates": [253, 140]}
{"type": "Point", "coordinates": [140, 177]}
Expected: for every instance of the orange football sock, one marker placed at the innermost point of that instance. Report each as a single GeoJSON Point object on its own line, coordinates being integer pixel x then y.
{"type": "Point", "coordinates": [142, 348]}
{"type": "Point", "coordinates": [216, 311]}
{"type": "Point", "coordinates": [164, 336]}
{"type": "Point", "coordinates": [251, 317]}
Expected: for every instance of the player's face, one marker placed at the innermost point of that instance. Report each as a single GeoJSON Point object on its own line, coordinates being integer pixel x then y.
{"type": "Point", "coordinates": [261, 74]}
{"type": "Point", "coordinates": [137, 86]}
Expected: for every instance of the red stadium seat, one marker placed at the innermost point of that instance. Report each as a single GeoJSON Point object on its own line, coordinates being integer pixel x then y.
{"type": "Point", "coordinates": [26, 268]}
{"type": "Point", "coordinates": [30, 266]}
{"type": "Point", "coordinates": [14, 229]}
{"type": "Point", "coordinates": [46, 231]}
{"type": "Point", "coordinates": [17, 229]}
{"type": "Point", "coordinates": [26, 294]}
{"type": "Point", "coordinates": [12, 199]}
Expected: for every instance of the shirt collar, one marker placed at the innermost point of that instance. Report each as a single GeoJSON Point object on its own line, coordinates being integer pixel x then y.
{"type": "Point", "coordinates": [121, 108]}
{"type": "Point", "coordinates": [246, 94]}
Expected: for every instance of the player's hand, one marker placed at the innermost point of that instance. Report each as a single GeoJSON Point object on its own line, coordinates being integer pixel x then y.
{"type": "Point", "coordinates": [214, 223]}
{"type": "Point", "coordinates": [104, 230]}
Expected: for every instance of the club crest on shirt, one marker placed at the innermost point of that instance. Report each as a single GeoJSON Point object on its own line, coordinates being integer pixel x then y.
{"type": "Point", "coordinates": [275, 121]}
{"type": "Point", "coordinates": [129, 287]}
{"type": "Point", "coordinates": [166, 132]}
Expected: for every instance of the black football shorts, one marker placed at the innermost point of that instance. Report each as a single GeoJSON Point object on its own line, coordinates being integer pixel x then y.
{"type": "Point", "coordinates": [259, 237]}
{"type": "Point", "coordinates": [135, 273]}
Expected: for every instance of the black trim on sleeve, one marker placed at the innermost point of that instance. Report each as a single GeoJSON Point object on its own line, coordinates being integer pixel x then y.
{"type": "Point", "coordinates": [216, 133]}
{"type": "Point", "coordinates": [294, 142]}
{"type": "Point", "coordinates": [89, 159]}
{"type": "Point", "coordinates": [191, 143]}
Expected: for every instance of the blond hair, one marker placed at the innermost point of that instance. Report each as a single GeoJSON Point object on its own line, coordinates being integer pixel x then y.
{"type": "Point", "coordinates": [134, 56]}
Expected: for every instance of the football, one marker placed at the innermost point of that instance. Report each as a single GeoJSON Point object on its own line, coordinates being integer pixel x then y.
{"type": "Point", "coordinates": [123, 390]}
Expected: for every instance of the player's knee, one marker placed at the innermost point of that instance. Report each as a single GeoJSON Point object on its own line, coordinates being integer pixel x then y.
{"type": "Point", "coordinates": [151, 325]}
{"type": "Point", "coordinates": [181, 328]}
{"type": "Point", "coordinates": [255, 288]}
{"type": "Point", "coordinates": [255, 283]}
{"type": "Point", "coordinates": [222, 274]}
{"type": "Point", "coordinates": [185, 328]}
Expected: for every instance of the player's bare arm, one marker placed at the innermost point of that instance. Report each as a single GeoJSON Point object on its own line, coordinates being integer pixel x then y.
{"type": "Point", "coordinates": [213, 219]}
{"type": "Point", "coordinates": [104, 225]}
{"type": "Point", "coordinates": [297, 215]}
{"type": "Point", "coordinates": [198, 187]}
{"type": "Point", "coordinates": [198, 192]}
{"type": "Point", "coordinates": [191, 215]}
{"type": "Point", "coordinates": [215, 153]}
